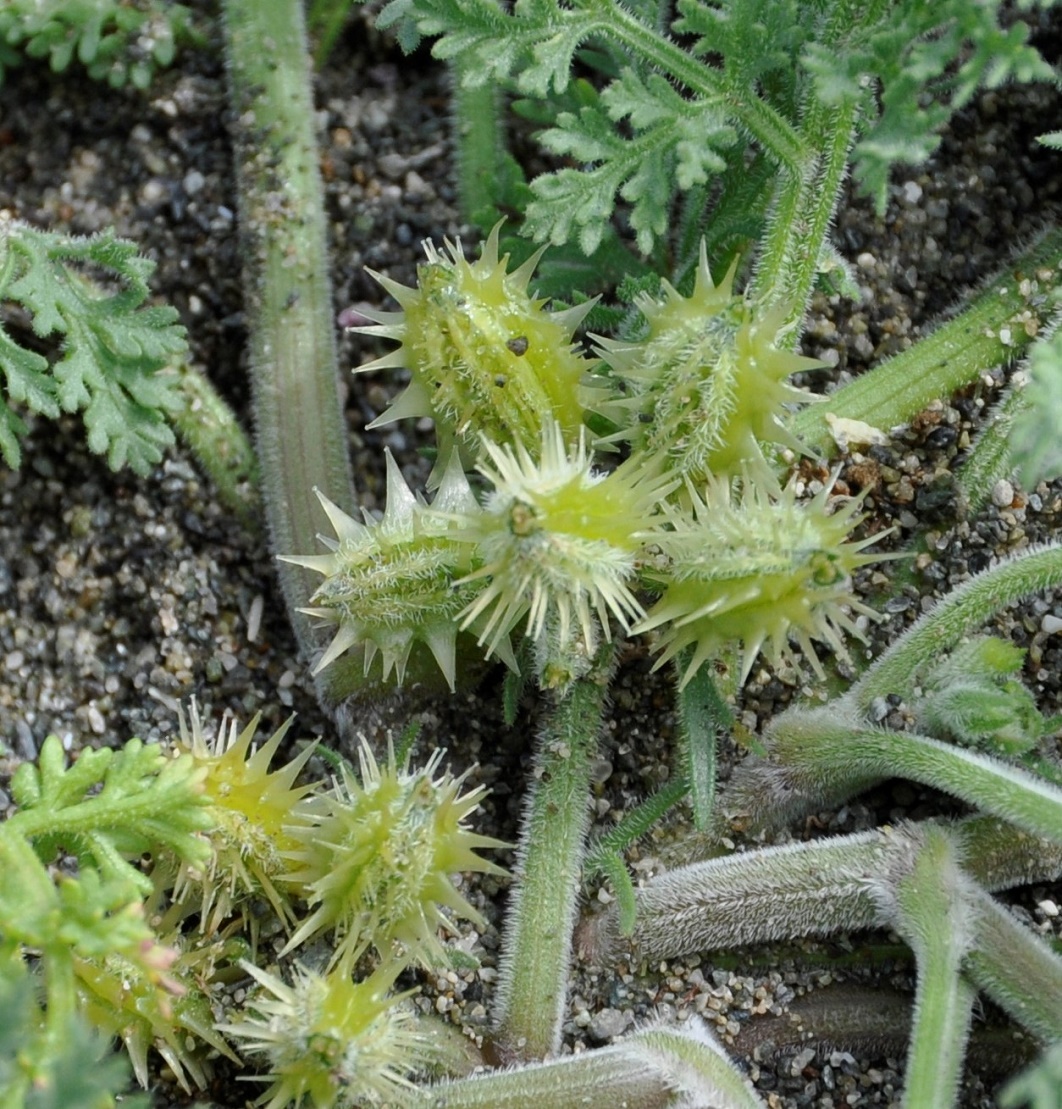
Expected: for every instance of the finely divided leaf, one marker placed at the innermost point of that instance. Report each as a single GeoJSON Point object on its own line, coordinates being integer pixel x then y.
{"type": "Point", "coordinates": [110, 806]}
{"type": "Point", "coordinates": [675, 142]}
{"type": "Point", "coordinates": [114, 349]}
{"type": "Point", "coordinates": [927, 60]}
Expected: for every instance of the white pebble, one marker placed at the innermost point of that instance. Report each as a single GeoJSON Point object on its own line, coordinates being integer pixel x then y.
{"type": "Point", "coordinates": [1050, 625]}
{"type": "Point", "coordinates": [912, 192]}
{"type": "Point", "coordinates": [1002, 493]}
{"type": "Point", "coordinates": [1048, 908]}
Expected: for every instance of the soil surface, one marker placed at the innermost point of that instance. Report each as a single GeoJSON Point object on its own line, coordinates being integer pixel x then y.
{"type": "Point", "coordinates": [121, 598]}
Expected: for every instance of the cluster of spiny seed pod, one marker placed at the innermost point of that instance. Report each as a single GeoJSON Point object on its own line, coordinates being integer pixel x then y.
{"type": "Point", "coordinates": [365, 863]}
{"type": "Point", "coordinates": [692, 536]}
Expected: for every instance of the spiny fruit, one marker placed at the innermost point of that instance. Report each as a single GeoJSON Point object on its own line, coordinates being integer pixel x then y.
{"type": "Point", "coordinates": [557, 539]}
{"type": "Point", "coordinates": [331, 1042]}
{"type": "Point", "coordinates": [707, 385]}
{"type": "Point", "coordinates": [485, 356]}
{"type": "Point", "coordinates": [377, 855]}
{"type": "Point", "coordinates": [250, 809]}
{"type": "Point", "coordinates": [757, 568]}
{"type": "Point", "coordinates": [392, 582]}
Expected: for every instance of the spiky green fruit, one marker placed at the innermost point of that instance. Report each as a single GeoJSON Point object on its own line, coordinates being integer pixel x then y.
{"type": "Point", "coordinates": [376, 859]}
{"type": "Point", "coordinates": [707, 386]}
{"type": "Point", "coordinates": [250, 808]}
{"type": "Point", "coordinates": [557, 540]}
{"type": "Point", "coordinates": [757, 568]}
{"type": "Point", "coordinates": [332, 1042]}
{"type": "Point", "coordinates": [485, 356]}
{"type": "Point", "coordinates": [392, 582]}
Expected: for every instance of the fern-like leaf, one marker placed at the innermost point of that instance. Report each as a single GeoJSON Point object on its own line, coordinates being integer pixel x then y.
{"type": "Point", "coordinates": [115, 40]}
{"type": "Point", "coordinates": [110, 806]}
{"type": "Point", "coordinates": [113, 348]}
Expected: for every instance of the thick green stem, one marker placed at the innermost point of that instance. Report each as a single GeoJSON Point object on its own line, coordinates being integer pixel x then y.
{"type": "Point", "coordinates": [301, 435]}
{"type": "Point", "coordinates": [930, 916]}
{"type": "Point", "coordinates": [655, 1067]}
{"type": "Point", "coordinates": [703, 717]}
{"type": "Point", "coordinates": [798, 890]}
{"type": "Point", "coordinates": [538, 939]}
{"type": "Point", "coordinates": [991, 459]}
{"type": "Point", "coordinates": [1015, 967]}
{"type": "Point", "coordinates": [999, 323]}
{"type": "Point", "coordinates": [774, 894]}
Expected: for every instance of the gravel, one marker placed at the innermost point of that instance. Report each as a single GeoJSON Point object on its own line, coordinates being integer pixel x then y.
{"type": "Point", "coordinates": [122, 598]}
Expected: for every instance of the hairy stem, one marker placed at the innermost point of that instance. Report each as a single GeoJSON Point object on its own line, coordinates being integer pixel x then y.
{"type": "Point", "coordinates": [1015, 967]}
{"type": "Point", "coordinates": [930, 916]}
{"type": "Point", "coordinates": [804, 207]}
{"type": "Point", "coordinates": [959, 613]}
{"type": "Point", "coordinates": [776, 893]}
{"type": "Point", "coordinates": [990, 458]}
{"type": "Point", "coordinates": [209, 428]}
{"type": "Point", "coordinates": [651, 1068]}
{"type": "Point", "coordinates": [478, 145]}
{"type": "Point", "coordinates": [836, 760]}
{"type": "Point", "coordinates": [301, 435]}
{"type": "Point", "coordinates": [799, 890]}
{"type": "Point", "coordinates": [995, 327]}
{"type": "Point", "coordinates": [703, 717]}
{"type": "Point", "coordinates": [538, 939]}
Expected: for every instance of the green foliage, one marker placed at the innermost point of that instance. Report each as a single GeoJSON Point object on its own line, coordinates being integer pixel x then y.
{"type": "Point", "coordinates": [115, 40]}
{"type": "Point", "coordinates": [129, 880]}
{"type": "Point", "coordinates": [113, 351]}
{"type": "Point", "coordinates": [80, 1074]}
{"type": "Point", "coordinates": [923, 62]}
{"type": "Point", "coordinates": [667, 120]}
{"type": "Point", "coordinates": [733, 126]}
{"type": "Point", "coordinates": [1036, 437]}
{"type": "Point", "coordinates": [973, 697]}
{"type": "Point", "coordinates": [1039, 1086]}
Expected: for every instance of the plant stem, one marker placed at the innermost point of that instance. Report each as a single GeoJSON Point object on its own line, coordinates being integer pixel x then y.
{"type": "Point", "coordinates": [478, 145]}
{"type": "Point", "coordinates": [990, 458]}
{"type": "Point", "coordinates": [837, 761]}
{"type": "Point", "coordinates": [301, 435]}
{"type": "Point", "coordinates": [209, 428]}
{"type": "Point", "coordinates": [1014, 966]}
{"type": "Point", "coordinates": [703, 717]}
{"type": "Point", "coordinates": [652, 1068]}
{"type": "Point", "coordinates": [818, 888]}
{"type": "Point", "coordinates": [995, 328]}
{"type": "Point", "coordinates": [759, 897]}
{"type": "Point", "coordinates": [537, 946]}
{"type": "Point", "coordinates": [930, 917]}
{"type": "Point", "coordinates": [800, 220]}
{"type": "Point", "coordinates": [956, 615]}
